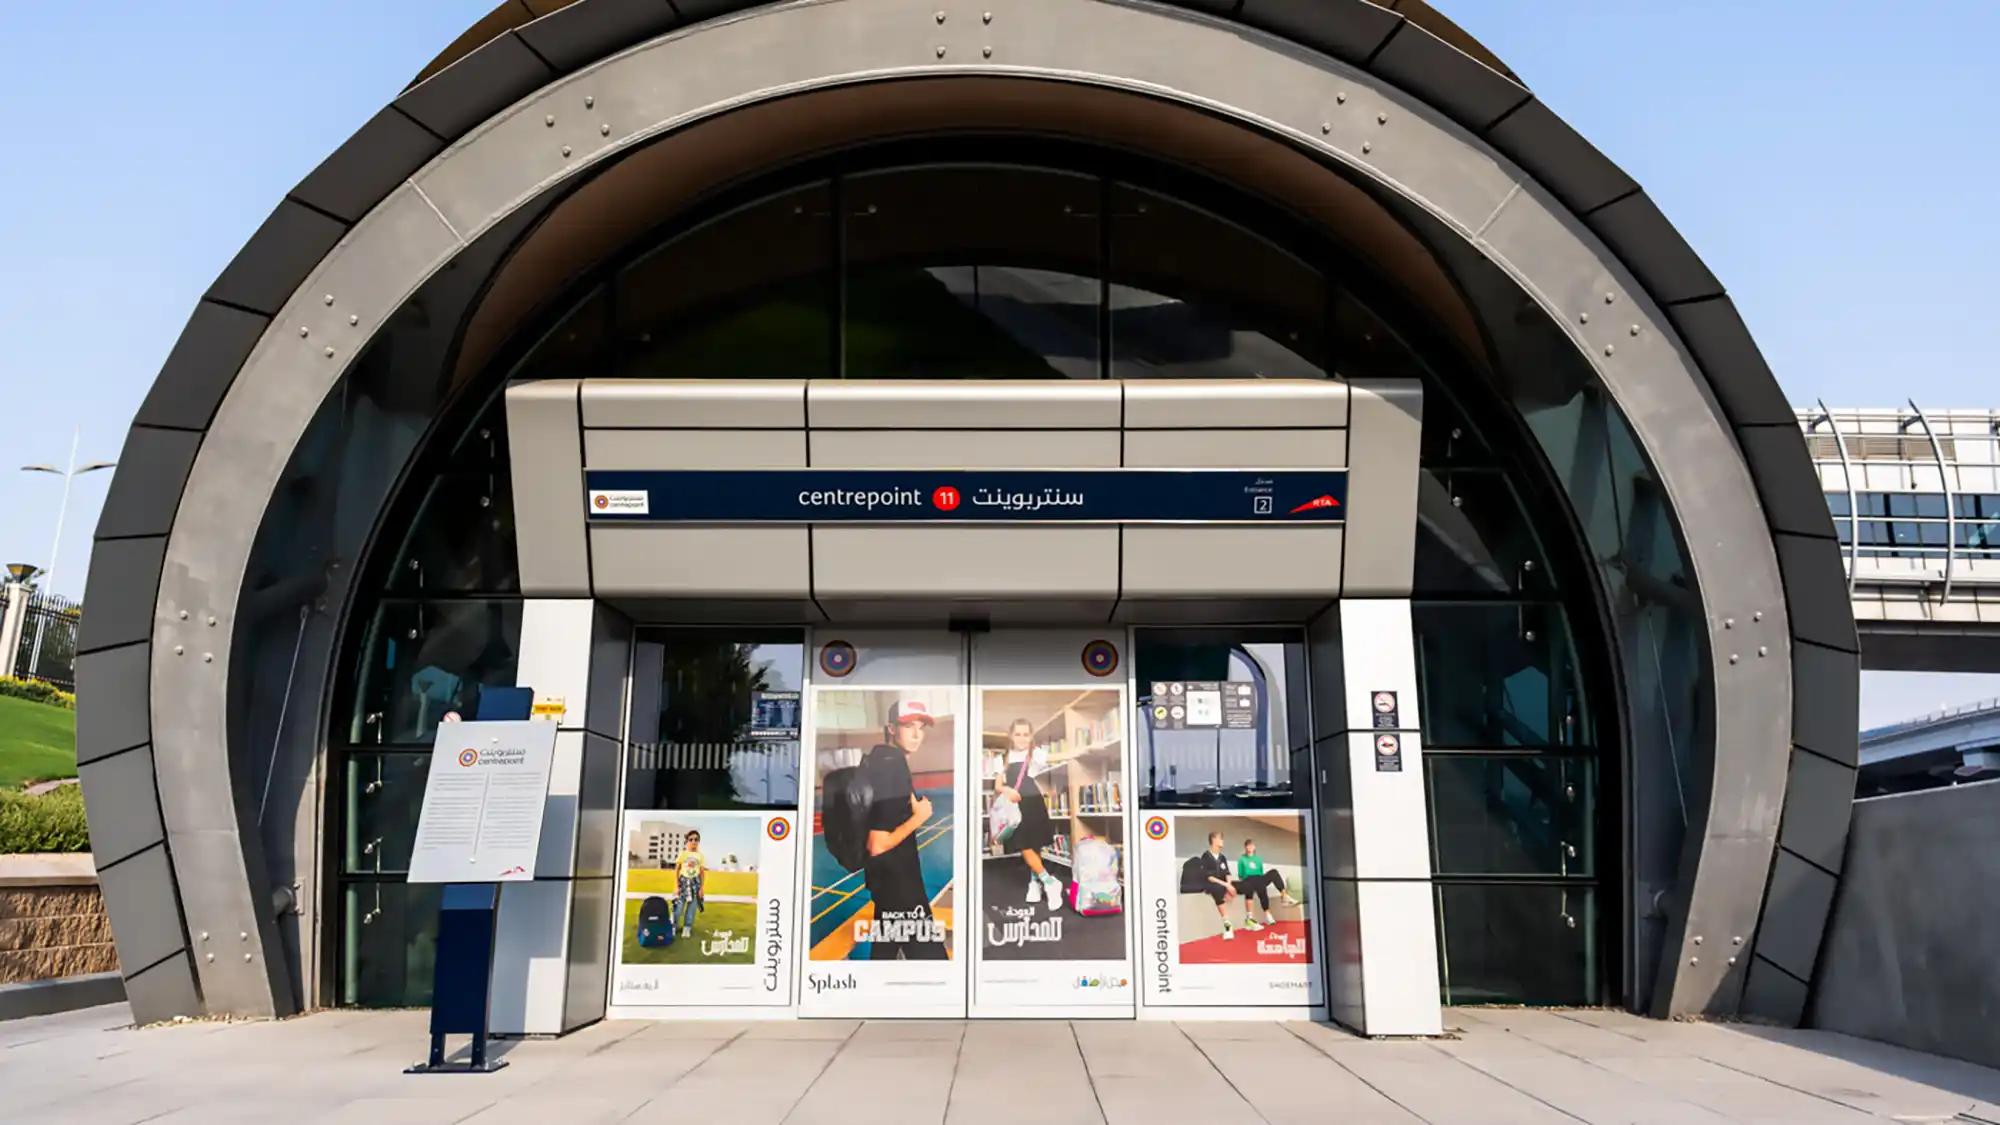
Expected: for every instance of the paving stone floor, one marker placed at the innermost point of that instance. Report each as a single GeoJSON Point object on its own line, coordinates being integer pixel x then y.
{"type": "Point", "coordinates": [1499, 1066]}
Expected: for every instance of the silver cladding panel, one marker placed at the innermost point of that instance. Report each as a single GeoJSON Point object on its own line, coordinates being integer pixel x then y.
{"type": "Point", "coordinates": [917, 404]}
{"type": "Point", "coordinates": [1381, 537]}
{"type": "Point", "coordinates": [648, 404]}
{"type": "Point", "coordinates": [545, 444]}
{"type": "Point", "coordinates": [1395, 140]}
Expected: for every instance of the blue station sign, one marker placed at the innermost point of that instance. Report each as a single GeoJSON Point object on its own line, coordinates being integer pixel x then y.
{"type": "Point", "coordinates": [1279, 496]}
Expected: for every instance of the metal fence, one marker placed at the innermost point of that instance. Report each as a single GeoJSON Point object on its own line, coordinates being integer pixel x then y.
{"type": "Point", "coordinates": [46, 648]}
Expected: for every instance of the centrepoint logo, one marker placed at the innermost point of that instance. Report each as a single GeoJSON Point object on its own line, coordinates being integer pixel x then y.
{"type": "Point", "coordinates": [601, 501]}
{"type": "Point", "coordinates": [946, 498]}
{"type": "Point", "coordinates": [468, 757]}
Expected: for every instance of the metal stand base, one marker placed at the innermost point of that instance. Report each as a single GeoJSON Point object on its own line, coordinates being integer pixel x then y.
{"type": "Point", "coordinates": [467, 1067]}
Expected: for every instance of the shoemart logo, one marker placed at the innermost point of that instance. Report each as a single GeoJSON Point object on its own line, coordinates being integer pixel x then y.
{"type": "Point", "coordinates": [1103, 982]}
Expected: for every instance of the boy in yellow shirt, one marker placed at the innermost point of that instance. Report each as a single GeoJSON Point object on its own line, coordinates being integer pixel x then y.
{"type": "Point", "coordinates": [688, 871]}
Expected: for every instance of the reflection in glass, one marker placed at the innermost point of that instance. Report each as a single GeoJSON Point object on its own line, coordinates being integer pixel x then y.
{"type": "Point", "coordinates": [715, 718]}
{"type": "Point", "coordinates": [1191, 755]}
{"type": "Point", "coordinates": [1497, 674]}
{"type": "Point", "coordinates": [1473, 537]}
{"type": "Point", "coordinates": [390, 946]}
{"type": "Point", "coordinates": [384, 795]}
{"type": "Point", "coordinates": [1512, 815]}
{"type": "Point", "coordinates": [1504, 943]}
{"type": "Point", "coordinates": [426, 660]}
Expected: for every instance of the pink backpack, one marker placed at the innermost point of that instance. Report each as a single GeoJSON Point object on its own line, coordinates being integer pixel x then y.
{"type": "Point", "coordinates": [1095, 887]}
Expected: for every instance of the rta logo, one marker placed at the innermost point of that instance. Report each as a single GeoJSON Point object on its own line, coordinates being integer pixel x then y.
{"type": "Point", "coordinates": [945, 498]}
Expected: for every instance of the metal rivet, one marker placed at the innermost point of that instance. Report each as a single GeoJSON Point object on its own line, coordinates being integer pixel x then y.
{"type": "Point", "coordinates": [565, 150]}
{"type": "Point", "coordinates": [1325, 127]}
{"type": "Point", "coordinates": [1757, 616]}
{"type": "Point", "coordinates": [1529, 635]}
{"type": "Point", "coordinates": [1584, 318]}
{"type": "Point", "coordinates": [550, 120]}
{"type": "Point", "coordinates": [986, 52]}
{"type": "Point", "coordinates": [1381, 119]}
{"type": "Point", "coordinates": [1733, 658]}
{"type": "Point", "coordinates": [208, 658]}
{"type": "Point", "coordinates": [211, 621]}
{"type": "Point", "coordinates": [940, 52]}
{"type": "Point", "coordinates": [1732, 960]}
{"type": "Point", "coordinates": [1610, 297]}
{"type": "Point", "coordinates": [1609, 349]}
{"type": "Point", "coordinates": [204, 935]}
{"type": "Point", "coordinates": [940, 17]}
{"type": "Point", "coordinates": [1763, 650]}
{"type": "Point", "coordinates": [1694, 960]}
{"type": "Point", "coordinates": [329, 353]}
{"type": "Point", "coordinates": [353, 320]}
{"type": "Point", "coordinates": [242, 935]}
{"type": "Point", "coordinates": [1635, 330]}
{"type": "Point", "coordinates": [179, 649]}
{"type": "Point", "coordinates": [1729, 623]}
{"type": "Point", "coordinates": [184, 615]}
{"type": "Point", "coordinates": [246, 958]}
{"type": "Point", "coordinates": [589, 100]}
{"type": "Point", "coordinates": [1697, 939]}
{"type": "Point", "coordinates": [304, 331]}
{"type": "Point", "coordinates": [1737, 940]}
{"type": "Point", "coordinates": [1366, 147]}
{"type": "Point", "coordinates": [1341, 97]}
{"type": "Point", "coordinates": [986, 17]}
{"type": "Point", "coordinates": [604, 130]}
{"type": "Point", "coordinates": [328, 298]}
{"type": "Point", "coordinates": [211, 958]}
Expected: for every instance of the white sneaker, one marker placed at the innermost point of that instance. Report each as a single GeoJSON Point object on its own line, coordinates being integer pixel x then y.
{"type": "Point", "coordinates": [1034, 889]}
{"type": "Point", "coordinates": [1227, 933]}
{"type": "Point", "coordinates": [1055, 891]}
{"type": "Point", "coordinates": [1252, 924]}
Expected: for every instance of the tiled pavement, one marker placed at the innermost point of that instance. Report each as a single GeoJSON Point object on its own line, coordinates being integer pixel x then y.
{"type": "Point", "coordinates": [1500, 1065]}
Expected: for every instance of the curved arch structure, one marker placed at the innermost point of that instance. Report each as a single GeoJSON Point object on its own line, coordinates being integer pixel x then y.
{"type": "Point", "coordinates": [1398, 101]}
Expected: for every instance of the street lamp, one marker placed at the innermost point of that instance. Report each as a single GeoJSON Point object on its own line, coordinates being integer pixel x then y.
{"type": "Point", "coordinates": [69, 474]}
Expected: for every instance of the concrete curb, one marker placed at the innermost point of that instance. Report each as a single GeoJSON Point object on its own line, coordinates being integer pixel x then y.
{"type": "Point", "coordinates": [64, 994]}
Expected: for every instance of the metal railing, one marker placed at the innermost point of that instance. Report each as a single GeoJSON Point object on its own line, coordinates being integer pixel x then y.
{"type": "Point", "coordinates": [38, 633]}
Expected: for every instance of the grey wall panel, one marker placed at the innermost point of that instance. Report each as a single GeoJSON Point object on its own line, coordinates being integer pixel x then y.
{"type": "Point", "coordinates": [610, 667]}
{"type": "Point", "coordinates": [145, 915]}
{"type": "Point", "coordinates": [921, 404]}
{"type": "Point", "coordinates": [142, 498]}
{"type": "Point", "coordinates": [124, 580]}
{"type": "Point", "coordinates": [380, 155]}
{"type": "Point", "coordinates": [597, 808]}
{"type": "Point", "coordinates": [198, 371]}
{"type": "Point", "coordinates": [1819, 799]}
{"type": "Point", "coordinates": [1347, 31]}
{"type": "Point", "coordinates": [1474, 94]}
{"type": "Point", "coordinates": [547, 471]}
{"type": "Point", "coordinates": [1558, 156]}
{"type": "Point", "coordinates": [1241, 610]}
{"type": "Point", "coordinates": [578, 34]}
{"type": "Point", "coordinates": [1225, 562]}
{"type": "Point", "coordinates": [1382, 488]}
{"type": "Point", "coordinates": [966, 449]}
{"type": "Point", "coordinates": [1826, 700]}
{"type": "Point", "coordinates": [1329, 684]}
{"type": "Point", "coordinates": [1181, 404]}
{"type": "Point", "coordinates": [718, 611]}
{"type": "Point", "coordinates": [1816, 591]}
{"type": "Point", "coordinates": [1250, 449]}
{"type": "Point", "coordinates": [122, 806]}
{"type": "Point", "coordinates": [1336, 808]}
{"type": "Point", "coordinates": [1771, 994]}
{"type": "Point", "coordinates": [1795, 914]}
{"type": "Point", "coordinates": [1651, 248]}
{"type": "Point", "coordinates": [694, 449]}
{"type": "Point", "coordinates": [1714, 331]}
{"type": "Point", "coordinates": [475, 87]}
{"type": "Point", "coordinates": [701, 562]}
{"type": "Point", "coordinates": [276, 259]}
{"type": "Point", "coordinates": [965, 562]}
{"type": "Point", "coordinates": [1786, 481]}
{"type": "Point", "coordinates": [593, 907]}
{"type": "Point", "coordinates": [668, 403]}
{"type": "Point", "coordinates": [163, 991]}
{"type": "Point", "coordinates": [113, 684]}
{"type": "Point", "coordinates": [1908, 957]}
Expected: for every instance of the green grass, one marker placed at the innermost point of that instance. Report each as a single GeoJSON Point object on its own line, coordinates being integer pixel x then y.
{"type": "Point", "coordinates": [37, 742]}
{"type": "Point", "coordinates": [739, 919]}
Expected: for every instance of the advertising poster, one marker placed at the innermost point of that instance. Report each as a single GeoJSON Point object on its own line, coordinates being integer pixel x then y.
{"type": "Point", "coordinates": [706, 913]}
{"type": "Point", "coordinates": [1229, 914]}
{"type": "Point", "coordinates": [882, 919]}
{"type": "Point", "coordinates": [1051, 805]}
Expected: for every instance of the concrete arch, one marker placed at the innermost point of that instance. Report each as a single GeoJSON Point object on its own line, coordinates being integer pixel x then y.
{"type": "Point", "coordinates": [1348, 81]}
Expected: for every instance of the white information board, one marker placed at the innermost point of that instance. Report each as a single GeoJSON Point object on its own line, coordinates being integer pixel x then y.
{"type": "Point", "coordinates": [482, 815]}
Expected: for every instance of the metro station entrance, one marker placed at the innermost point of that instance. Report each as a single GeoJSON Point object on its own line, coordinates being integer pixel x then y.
{"type": "Point", "coordinates": [880, 823]}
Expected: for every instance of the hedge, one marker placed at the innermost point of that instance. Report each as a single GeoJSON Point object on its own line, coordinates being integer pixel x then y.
{"type": "Point", "coordinates": [52, 822]}
{"type": "Point", "coordinates": [37, 691]}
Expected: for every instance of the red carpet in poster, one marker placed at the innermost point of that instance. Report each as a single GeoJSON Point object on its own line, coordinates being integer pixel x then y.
{"type": "Point", "coordinates": [1284, 943]}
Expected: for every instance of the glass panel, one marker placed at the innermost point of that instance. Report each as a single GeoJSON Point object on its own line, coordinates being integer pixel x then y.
{"type": "Point", "coordinates": [972, 272]}
{"type": "Point", "coordinates": [1193, 295]}
{"type": "Point", "coordinates": [384, 794]}
{"type": "Point", "coordinates": [1513, 815]}
{"type": "Point", "coordinates": [1203, 753]}
{"type": "Point", "coordinates": [391, 944]}
{"type": "Point", "coordinates": [1473, 537]}
{"type": "Point", "coordinates": [718, 728]}
{"type": "Point", "coordinates": [1448, 437]}
{"type": "Point", "coordinates": [1514, 944]}
{"type": "Point", "coordinates": [462, 539]}
{"type": "Point", "coordinates": [748, 295]}
{"type": "Point", "coordinates": [424, 660]}
{"type": "Point", "coordinates": [1364, 346]}
{"type": "Point", "coordinates": [1971, 505]}
{"type": "Point", "coordinates": [1979, 535]}
{"type": "Point", "coordinates": [1497, 675]}
{"type": "Point", "coordinates": [1836, 502]}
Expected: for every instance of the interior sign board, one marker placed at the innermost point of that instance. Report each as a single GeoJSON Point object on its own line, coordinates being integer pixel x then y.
{"type": "Point", "coordinates": [1277, 496]}
{"type": "Point", "coordinates": [774, 716]}
{"type": "Point", "coordinates": [481, 820]}
{"type": "Point", "coordinates": [1199, 704]}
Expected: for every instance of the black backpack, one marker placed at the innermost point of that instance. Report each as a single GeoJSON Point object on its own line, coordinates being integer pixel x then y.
{"type": "Point", "coordinates": [845, 795]}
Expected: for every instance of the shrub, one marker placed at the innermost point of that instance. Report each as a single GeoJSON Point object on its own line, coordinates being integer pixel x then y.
{"type": "Point", "coordinates": [38, 691]}
{"type": "Point", "coordinates": [52, 822]}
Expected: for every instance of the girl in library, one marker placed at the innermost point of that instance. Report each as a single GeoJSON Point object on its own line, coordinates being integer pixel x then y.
{"type": "Point", "coordinates": [1036, 830]}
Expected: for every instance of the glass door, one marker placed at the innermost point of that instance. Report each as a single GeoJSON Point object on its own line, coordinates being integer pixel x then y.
{"type": "Point", "coordinates": [886, 711]}
{"type": "Point", "coordinates": [1051, 933]}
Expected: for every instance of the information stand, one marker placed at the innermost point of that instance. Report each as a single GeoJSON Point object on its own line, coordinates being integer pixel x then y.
{"type": "Point", "coordinates": [480, 826]}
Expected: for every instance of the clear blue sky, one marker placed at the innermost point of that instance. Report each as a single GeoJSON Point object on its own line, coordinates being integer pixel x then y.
{"type": "Point", "coordinates": [148, 140]}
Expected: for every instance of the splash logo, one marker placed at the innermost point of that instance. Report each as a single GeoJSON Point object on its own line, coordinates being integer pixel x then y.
{"type": "Point", "coordinates": [1315, 504]}
{"type": "Point", "coordinates": [468, 757]}
{"type": "Point", "coordinates": [1156, 828]}
{"type": "Point", "coordinates": [779, 828]}
{"type": "Point", "coordinates": [945, 498]}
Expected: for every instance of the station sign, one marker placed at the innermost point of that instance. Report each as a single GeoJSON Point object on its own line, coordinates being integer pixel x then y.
{"type": "Point", "coordinates": [711, 496]}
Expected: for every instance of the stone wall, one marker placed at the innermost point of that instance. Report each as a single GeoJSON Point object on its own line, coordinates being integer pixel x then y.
{"type": "Point", "coordinates": [1910, 955]}
{"type": "Point", "coordinates": [52, 921]}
